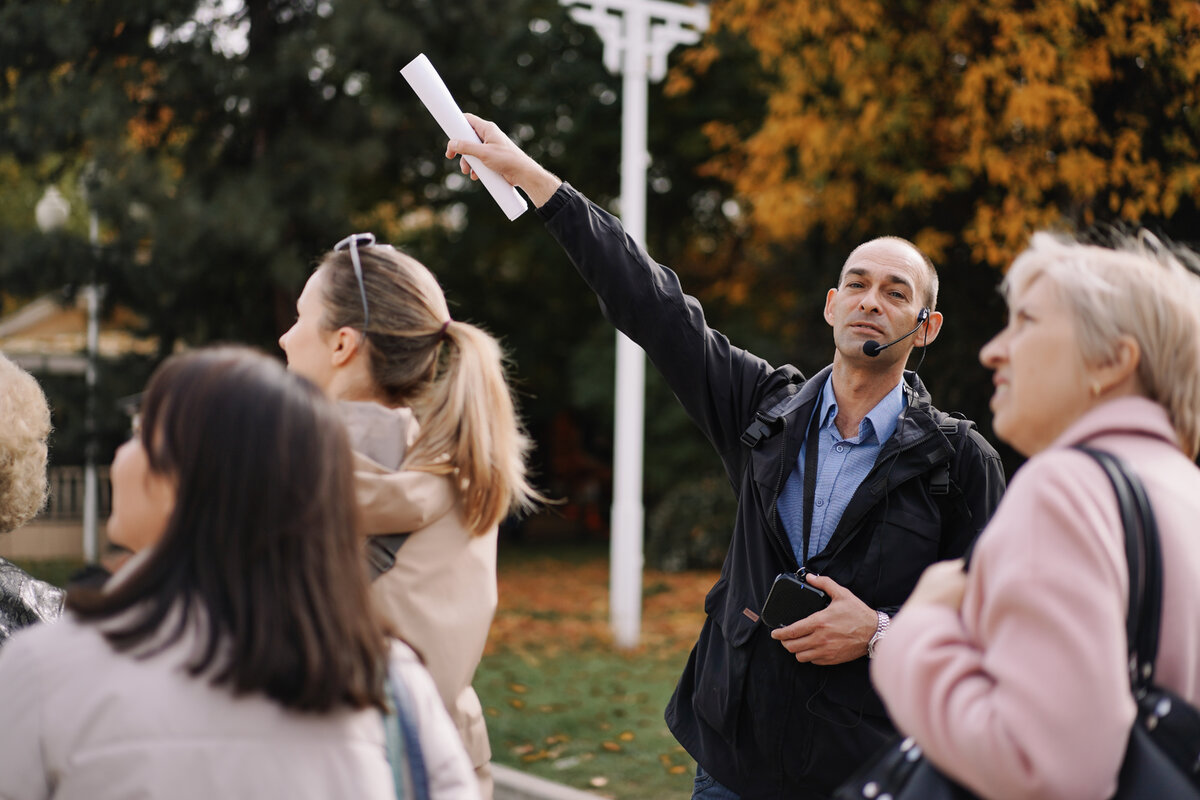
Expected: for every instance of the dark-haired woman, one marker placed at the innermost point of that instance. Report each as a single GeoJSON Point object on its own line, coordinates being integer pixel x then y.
{"type": "Point", "coordinates": [440, 453]}
{"type": "Point", "coordinates": [238, 653]}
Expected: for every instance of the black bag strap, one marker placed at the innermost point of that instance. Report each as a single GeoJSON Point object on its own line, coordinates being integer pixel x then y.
{"type": "Point", "coordinates": [766, 423]}
{"type": "Point", "coordinates": [1144, 617]}
{"type": "Point", "coordinates": [381, 552]}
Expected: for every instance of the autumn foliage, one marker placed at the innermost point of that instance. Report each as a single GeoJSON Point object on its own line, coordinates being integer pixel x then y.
{"type": "Point", "coordinates": [961, 121]}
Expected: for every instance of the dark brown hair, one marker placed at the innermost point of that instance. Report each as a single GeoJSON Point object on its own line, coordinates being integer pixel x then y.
{"type": "Point", "coordinates": [260, 553]}
{"type": "Point", "coordinates": [450, 373]}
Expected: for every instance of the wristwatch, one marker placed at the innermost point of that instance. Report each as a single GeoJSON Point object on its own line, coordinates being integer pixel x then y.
{"type": "Point", "coordinates": [880, 629]}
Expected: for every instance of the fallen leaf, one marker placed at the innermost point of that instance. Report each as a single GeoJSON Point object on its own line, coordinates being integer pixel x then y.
{"type": "Point", "coordinates": [599, 781]}
{"type": "Point", "coordinates": [626, 736]}
{"type": "Point", "coordinates": [611, 747]}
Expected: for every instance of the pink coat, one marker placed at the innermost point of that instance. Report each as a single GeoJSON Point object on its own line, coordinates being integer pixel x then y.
{"type": "Point", "coordinates": [1025, 693]}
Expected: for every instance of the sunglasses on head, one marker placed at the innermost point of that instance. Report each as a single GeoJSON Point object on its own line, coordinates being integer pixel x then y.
{"type": "Point", "coordinates": [352, 243]}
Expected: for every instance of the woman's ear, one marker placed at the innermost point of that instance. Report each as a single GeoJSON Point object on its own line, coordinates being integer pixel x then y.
{"type": "Point", "coordinates": [347, 343]}
{"type": "Point", "coordinates": [1119, 375]}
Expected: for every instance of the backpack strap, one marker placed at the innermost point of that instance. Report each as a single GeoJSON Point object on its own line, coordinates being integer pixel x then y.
{"type": "Point", "coordinates": [946, 493]}
{"type": "Point", "coordinates": [766, 423]}
{"type": "Point", "coordinates": [381, 552]}
{"type": "Point", "coordinates": [939, 481]}
{"type": "Point", "coordinates": [403, 738]}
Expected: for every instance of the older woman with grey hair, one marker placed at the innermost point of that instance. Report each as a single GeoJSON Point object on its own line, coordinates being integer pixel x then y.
{"type": "Point", "coordinates": [23, 449]}
{"type": "Point", "coordinates": [1013, 676]}
{"type": "Point", "coordinates": [24, 430]}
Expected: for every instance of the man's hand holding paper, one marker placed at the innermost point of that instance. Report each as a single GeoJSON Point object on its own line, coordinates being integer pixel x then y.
{"type": "Point", "coordinates": [498, 153]}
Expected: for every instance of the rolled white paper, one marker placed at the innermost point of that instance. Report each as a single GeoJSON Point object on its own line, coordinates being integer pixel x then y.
{"type": "Point", "coordinates": [430, 87]}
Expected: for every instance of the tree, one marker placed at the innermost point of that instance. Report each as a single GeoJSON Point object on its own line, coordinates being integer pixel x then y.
{"type": "Point", "coordinates": [964, 122]}
{"type": "Point", "coordinates": [963, 125]}
{"type": "Point", "coordinates": [226, 148]}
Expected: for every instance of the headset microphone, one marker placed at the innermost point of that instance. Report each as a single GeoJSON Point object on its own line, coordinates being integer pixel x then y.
{"type": "Point", "coordinates": [874, 348]}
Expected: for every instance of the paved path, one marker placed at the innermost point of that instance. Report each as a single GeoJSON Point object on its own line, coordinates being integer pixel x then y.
{"type": "Point", "coordinates": [513, 784]}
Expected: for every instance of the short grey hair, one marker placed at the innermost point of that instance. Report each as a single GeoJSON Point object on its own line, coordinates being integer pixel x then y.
{"type": "Point", "coordinates": [928, 292]}
{"type": "Point", "coordinates": [23, 448]}
{"type": "Point", "coordinates": [1138, 286]}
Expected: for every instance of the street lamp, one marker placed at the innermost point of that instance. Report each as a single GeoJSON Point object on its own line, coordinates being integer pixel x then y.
{"type": "Point", "coordinates": [51, 213]}
{"type": "Point", "coordinates": [637, 36]}
{"type": "Point", "coordinates": [52, 210]}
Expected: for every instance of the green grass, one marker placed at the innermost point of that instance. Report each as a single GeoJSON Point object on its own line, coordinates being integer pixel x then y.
{"type": "Point", "coordinates": [592, 719]}
{"type": "Point", "coordinates": [561, 702]}
{"type": "Point", "coordinates": [55, 571]}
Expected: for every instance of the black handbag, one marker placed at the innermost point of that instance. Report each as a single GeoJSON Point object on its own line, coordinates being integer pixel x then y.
{"type": "Point", "coordinates": [1162, 759]}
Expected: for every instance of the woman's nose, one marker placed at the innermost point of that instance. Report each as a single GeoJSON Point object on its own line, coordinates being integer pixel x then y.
{"type": "Point", "coordinates": [992, 352]}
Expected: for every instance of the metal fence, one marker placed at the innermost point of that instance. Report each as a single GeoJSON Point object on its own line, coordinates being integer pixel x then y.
{"type": "Point", "coordinates": [66, 493]}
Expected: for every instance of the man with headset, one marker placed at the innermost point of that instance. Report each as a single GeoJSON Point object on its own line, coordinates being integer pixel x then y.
{"type": "Point", "coordinates": [850, 479]}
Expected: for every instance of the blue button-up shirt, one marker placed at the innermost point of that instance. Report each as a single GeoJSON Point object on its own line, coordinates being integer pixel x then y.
{"type": "Point", "coordinates": [842, 464]}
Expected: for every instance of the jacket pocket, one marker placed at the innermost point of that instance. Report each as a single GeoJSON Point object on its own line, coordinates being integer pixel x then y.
{"type": "Point", "coordinates": [902, 546]}
{"type": "Point", "coordinates": [848, 687]}
{"type": "Point", "coordinates": [722, 658]}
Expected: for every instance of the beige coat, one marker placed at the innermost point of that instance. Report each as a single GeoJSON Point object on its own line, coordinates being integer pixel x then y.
{"type": "Point", "coordinates": [441, 594]}
{"type": "Point", "coordinates": [83, 722]}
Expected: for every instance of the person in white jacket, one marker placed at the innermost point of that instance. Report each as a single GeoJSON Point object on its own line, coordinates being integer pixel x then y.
{"type": "Point", "coordinates": [439, 453]}
{"type": "Point", "coordinates": [237, 654]}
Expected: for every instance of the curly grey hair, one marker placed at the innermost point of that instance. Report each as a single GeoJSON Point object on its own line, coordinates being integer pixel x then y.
{"type": "Point", "coordinates": [24, 430]}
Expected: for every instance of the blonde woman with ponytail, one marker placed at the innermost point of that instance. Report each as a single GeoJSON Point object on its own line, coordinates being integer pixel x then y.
{"type": "Point", "coordinates": [439, 453]}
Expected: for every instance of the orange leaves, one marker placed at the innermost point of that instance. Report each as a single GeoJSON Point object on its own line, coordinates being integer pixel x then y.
{"type": "Point", "coordinates": [1183, 181]}
{"type": "Point", "coordinates": [921, 187]}
{"type": "Point", "coordinates": [546, 609]}
{"type": "Point", "coordinates": [146, 133]}
{"type": "Point", "coordinates": [992, 118]}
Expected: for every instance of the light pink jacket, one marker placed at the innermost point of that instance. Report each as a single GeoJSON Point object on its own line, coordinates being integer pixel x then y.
{"type": "Point", "coordinates": [1025, 693]}
{"type": "Point", "coordinates": [79, 721]}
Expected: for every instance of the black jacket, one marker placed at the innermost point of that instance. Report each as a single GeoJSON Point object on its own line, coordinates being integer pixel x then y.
{"type": "Point", "coordinates": [757, 720]}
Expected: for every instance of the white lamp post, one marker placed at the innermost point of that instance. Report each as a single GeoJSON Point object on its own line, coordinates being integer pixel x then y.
{"type": "Point", "coordinates": [52, 210]}
{"type": "Point", "coordinates": [637, 36]}
{"type": "Point", "coordinates": [51, 213]}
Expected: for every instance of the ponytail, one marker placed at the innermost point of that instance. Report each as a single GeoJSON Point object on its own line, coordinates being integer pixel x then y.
{"type": "Point", "coordinates": [469, 417]}
{"type": "Point", "coordinates": [450, 373]}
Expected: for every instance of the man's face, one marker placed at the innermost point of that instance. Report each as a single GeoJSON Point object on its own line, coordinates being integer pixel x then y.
{"type": "Point", "coordinates": [879, 297]}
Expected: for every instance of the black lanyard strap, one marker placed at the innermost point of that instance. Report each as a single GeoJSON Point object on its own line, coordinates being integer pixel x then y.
{"type": "Point", "coordinates": [811, 445]}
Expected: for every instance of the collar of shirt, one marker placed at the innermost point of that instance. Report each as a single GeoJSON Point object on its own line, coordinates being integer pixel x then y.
{"type": "Point", "coordinates": [880, 420]}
